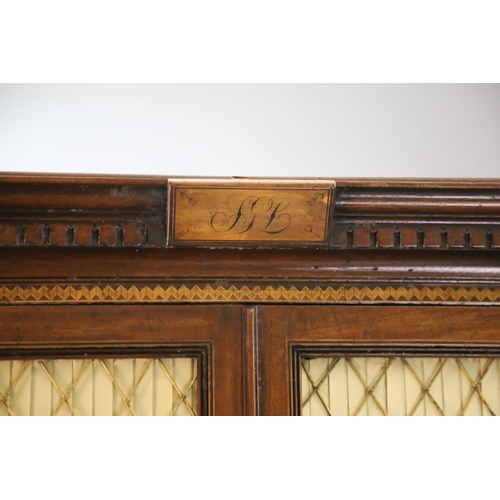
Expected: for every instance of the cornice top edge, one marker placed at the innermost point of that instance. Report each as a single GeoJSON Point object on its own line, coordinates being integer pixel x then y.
{"type": "Point", "coordinates": [374, 182]}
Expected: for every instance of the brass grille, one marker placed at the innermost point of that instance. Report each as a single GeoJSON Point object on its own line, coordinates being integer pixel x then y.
{"type": "Point", "coordinates": [99, 387]}
{"type": "Point", "coordinates": [400, 386]}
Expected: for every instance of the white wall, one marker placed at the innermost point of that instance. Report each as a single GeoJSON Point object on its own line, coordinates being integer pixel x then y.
{"type": "Point", "coordinates": [448, 130]}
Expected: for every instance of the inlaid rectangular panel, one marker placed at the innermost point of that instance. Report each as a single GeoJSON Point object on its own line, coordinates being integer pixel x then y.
{"type": "Point", "coordinates": [400, 386]}
{"type": "Point", "coordinates": [234, 213]}
{"type": "Point", "coordinates": [161, 386]}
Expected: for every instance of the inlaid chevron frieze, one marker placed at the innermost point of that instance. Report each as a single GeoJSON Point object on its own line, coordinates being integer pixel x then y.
{"type": "Point", "coordinates": [14, 294]}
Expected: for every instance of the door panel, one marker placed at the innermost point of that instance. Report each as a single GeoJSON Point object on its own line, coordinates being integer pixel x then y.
{"type": "Point", "coordinates": [235, 346]}
{"type": "Point", "coordinates": [289, 335]}
{"type": "Point", "coordinates": [135, 337]}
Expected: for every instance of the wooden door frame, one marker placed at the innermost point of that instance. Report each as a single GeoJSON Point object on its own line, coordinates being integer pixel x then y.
{"type": "Point", "coordinates": [288, 335]}
{"type": "Point", "coordinates": [211, 334]}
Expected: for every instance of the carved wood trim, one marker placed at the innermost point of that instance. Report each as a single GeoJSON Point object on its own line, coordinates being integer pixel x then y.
{"type": "Point", "coordinates": [50, 213]}
{"type": "Point", "coordinates": [416, 217]}
{"type": "Point", "coordinates": [80, 211]}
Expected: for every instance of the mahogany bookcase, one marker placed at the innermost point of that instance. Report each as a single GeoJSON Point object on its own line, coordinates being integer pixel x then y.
{"type": "Point", "coordinates": [248, 276]}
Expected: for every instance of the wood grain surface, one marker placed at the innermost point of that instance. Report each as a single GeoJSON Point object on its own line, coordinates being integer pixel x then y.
{"type": "Point", "coordinates": [246, 213]}
{"type": "Point", "coordinates": [363, 330]}
{"type": "Point", "coordinates": [31, 332]}
{"type": "Point", "coordinates": [116, 265]}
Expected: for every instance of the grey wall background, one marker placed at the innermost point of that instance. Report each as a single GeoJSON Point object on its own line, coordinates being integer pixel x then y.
{"type": "Point", "coordinates": [336, 130]}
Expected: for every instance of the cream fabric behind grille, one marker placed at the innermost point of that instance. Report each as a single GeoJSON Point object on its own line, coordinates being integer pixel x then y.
{"type": "Point", "coordinates": [99, 387]}
{"type": "Point", "coordinates": [400, 386]}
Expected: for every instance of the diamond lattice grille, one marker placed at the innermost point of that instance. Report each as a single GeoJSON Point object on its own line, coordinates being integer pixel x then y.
{"type": "Point", "coordinates": [401, 386]}
{"type": "Point", "coordinates": [99, 387]}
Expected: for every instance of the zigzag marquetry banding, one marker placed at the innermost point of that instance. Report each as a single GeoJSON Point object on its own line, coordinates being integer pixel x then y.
{"type": "Point", "coordinates": [244, 293]}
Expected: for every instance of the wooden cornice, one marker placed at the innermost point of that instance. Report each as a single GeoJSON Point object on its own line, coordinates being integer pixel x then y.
{"type": "Point", "coordinates": [160, 212]}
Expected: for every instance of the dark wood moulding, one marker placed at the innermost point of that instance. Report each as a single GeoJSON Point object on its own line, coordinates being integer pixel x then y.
{"type": "Point", "coordinates": [35, 265]}
{"type": "Point", "coordinates": [83, 211]}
